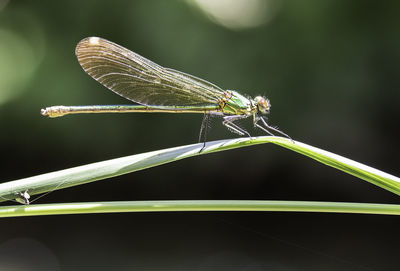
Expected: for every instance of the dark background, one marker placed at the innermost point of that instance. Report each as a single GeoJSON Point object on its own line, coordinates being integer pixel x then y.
{"type": "Point", "coordinates": [331, 71]}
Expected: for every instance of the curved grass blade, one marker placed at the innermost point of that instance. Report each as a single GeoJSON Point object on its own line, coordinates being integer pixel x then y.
{"type": "Point", "coordinates": [110, 168]}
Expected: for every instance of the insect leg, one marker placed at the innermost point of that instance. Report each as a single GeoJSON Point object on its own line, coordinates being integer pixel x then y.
{"type": "Point", "coordinates": [229, 123]}
{"type": "Point", "coordinates": [269, 127]}
{"type": "Point", "coordinates": [204, 130]}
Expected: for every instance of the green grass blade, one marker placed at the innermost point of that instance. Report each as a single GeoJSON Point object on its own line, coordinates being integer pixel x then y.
{"type": "Point", "coordinates": [110, 168]}
{"type": "Point", "coordinates": [199, 205]}
{"type": "Point", "coordinates": [364, 172]}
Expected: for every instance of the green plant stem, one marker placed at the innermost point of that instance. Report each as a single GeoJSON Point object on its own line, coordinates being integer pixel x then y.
{"type": "Point", "coordinates": [110, 168]}
{"type": "Point", "coordinates": [193, 205]}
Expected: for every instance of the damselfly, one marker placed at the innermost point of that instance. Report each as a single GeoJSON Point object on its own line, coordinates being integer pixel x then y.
{"type": "Point", "coordinates": [159, 89]}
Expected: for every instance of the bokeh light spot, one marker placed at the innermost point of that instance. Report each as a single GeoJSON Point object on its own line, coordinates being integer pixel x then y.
{"type": "Point", "coordinates": [21, 51]}
{"type": "Point", "coordinates": [238, 14]}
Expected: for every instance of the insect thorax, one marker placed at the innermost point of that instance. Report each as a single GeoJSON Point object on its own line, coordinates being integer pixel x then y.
{"type": "Point", "coordinates": [233, 103]}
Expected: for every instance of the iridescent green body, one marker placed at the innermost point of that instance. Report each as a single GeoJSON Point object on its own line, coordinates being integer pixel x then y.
{"type": "Point", "coordinates": [236, 105]}
{"type": "Point", "coordinates": [158, 89]}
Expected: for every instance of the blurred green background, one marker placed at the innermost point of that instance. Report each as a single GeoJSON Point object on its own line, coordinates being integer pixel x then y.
{"type": "Point", "coordinates": [330, 69]}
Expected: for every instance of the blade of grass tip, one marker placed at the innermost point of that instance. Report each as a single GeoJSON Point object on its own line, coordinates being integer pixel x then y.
{"type": "Point", "coordinates": [364, 172]}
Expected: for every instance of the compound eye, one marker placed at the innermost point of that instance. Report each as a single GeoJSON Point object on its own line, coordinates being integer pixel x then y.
{"type": "Point", "coordinates": [263, 104]}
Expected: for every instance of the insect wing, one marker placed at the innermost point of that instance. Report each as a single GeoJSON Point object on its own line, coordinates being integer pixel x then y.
{"type": "Point", "coordinates": [141, 80]}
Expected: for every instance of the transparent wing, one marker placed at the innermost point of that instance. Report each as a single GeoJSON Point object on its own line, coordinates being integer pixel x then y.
{"type": "Point", "coordinates": [141, 80]}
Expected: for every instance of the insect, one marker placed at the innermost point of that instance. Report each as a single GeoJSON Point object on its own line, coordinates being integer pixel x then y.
{"type": "Point", "coordinates": [159, 89]}
{"type": "Point", "coordinates": [23, 197]}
